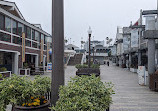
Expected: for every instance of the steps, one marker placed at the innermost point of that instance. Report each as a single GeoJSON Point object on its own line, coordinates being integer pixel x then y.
{"type": "Point", "coordinates": [75, 60]}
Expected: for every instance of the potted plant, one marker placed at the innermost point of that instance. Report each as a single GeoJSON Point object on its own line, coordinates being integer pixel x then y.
{"type": "Point", "coordinates": [84, 70]}
{"type": "Point", "coordinates": [24, 94]}
{"type": "Point", "coordinates": [85, 93]}
{"type": "Point", "coordinates": [25, 71]}
{"type": "Point", "coordinates": [4, 72]}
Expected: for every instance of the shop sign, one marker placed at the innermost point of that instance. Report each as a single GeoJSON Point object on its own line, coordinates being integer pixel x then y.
{"type": "Point", "coordinates": [23, 47]}
{"type": "Point", "coordinates": [49, 67]}
{"type": "Point", "coordinates": [42, 47]}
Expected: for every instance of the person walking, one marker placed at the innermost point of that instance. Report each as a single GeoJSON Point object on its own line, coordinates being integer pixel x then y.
{"type": "Point", "coordinates": [108, 63]}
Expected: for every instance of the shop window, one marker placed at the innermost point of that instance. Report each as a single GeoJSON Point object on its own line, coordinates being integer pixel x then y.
{"type": "Point", "coordinates": [33, 34]}
{"type": "Point", "coordinates": [14, 27]}
{"type": "Point", "coordinates": [1, 22]}
{"type": "Point", "coordinates": [45, 40]}
{"type": "Point", "coordinates": [17, 40]}
{"type": "Point", "coordinates": [28, 32]}
{"type": "Point", "coordinates": [37, 36]}
{"type": "Point", "coordinates": [5, 37]}
{"type": "Point", "coordinates": [28, 43]}
{"type": "Point", "coordinates": [34, 45]}
{"type": "Point", "coordinates": [7, 24]}
{"type": "Point", "coordinates": [20, 29]}
{"type": "Point", "coordinates": [42, 37]}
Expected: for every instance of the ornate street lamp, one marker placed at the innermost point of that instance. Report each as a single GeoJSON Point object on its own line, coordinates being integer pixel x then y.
{"type": "Point", "coordinates": [89, 34]}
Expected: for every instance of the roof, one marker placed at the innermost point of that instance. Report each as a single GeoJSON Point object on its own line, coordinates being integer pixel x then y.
{"type": "Point", "coordinates": [11, 7]}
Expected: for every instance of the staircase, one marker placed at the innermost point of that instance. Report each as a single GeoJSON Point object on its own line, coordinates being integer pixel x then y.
{"type": "Point", "coordinates": [75, 60]}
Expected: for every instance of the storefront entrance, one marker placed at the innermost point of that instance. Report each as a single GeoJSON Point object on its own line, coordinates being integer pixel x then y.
{"type": "Point", "coordinates": [6, 60]}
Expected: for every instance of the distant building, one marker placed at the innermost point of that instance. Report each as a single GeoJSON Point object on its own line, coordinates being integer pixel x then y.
{"type": "Point", "coordinates": [98, 50]}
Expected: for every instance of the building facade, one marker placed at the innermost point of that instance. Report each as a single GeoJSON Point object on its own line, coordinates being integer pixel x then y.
{"type": "Point", "coordinates": [12, 26]}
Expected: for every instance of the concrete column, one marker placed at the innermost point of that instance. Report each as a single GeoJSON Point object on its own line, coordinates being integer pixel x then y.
{"type": "Point", "coordinates": [139, 58]}
{"type": "Point", "coordinates": [57, 48]}
{"type": "Point", "coordinates": [150, 25]}
{"type": "Point", "coordinates": [15, 63]}
{"type": "Point", "coordinates": [36, 61]}
{"type": "Point", "coordinates": [130, 60]}
{"type": "Point", "coordinates": [44, 61]}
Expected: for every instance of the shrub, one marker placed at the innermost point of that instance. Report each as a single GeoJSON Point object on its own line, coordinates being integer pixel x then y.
{"type": "Point", "coordinates": [94, 66]}
{"type": "Point", "coordinates": [18, 90]}
{"type": "Point", "coordinates": [85, 93]}
{"type": "Point", "coordinates": [78, 66]}
{"type": "Point", "coordinates": [3, 69]}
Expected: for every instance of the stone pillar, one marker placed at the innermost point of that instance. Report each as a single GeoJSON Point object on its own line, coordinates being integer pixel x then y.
{"type": "Point", "coordinates": [36, 61]}
{"type": "Point", "coordinates": [130, 60]}
{"type": "Point", "coordinates": [150, 25]}
{"type": "Point", "coordinates": [44, 61]}
{"type": "Point", "coordinates": [139, 58]}
{"type": "Point", "coordinates": [15, 63]}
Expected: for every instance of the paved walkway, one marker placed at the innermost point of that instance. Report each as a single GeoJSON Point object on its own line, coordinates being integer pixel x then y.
{"type": "Point", "coordinates": [129, 95]}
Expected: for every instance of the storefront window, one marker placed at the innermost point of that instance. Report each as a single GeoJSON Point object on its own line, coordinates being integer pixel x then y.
{"type": "Point", "coordinates": [7, 24]}
{"type": "Point", "coordinates": [34, 44]}
{"type": "Point", "coordinates": [37, 36]}
{"type": "Point", "coordinates": [42, 37]}
{"type": "Point", "coordinates": [17, 40]}
{"type": "Point", "coordinates": [1, 22]}
{"type": "Point", "coordinates": [14, 27]}
{"type": "Point", "coordinates": [28, 32]}
{"type": "Point", "coordinates": [33, 34]}
{"type": "Point", "coordinates": [5, 37]}
{"type": "Point", "coordinates": [20, 29]}
{"type": "Point", "coordinates": [28, 43]}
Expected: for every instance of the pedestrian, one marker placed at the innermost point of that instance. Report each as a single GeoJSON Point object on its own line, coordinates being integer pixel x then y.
{"type": "Point", "coordinates": [104, 62]}
{"type": "Point", "coordinates": [108, 63]}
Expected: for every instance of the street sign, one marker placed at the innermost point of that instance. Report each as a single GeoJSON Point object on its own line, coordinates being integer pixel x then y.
{"type": "Point", "coordinates": [110, 40]}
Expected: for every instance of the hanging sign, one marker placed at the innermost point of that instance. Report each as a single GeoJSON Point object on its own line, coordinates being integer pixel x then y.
{"type": "Point", "coordinates": [42, 47]}
{"type": "Point", "coordinates": [23, 47]}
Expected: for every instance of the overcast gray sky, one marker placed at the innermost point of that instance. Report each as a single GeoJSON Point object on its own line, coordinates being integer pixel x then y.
{"type": "Point", "coordinates": [102, 15]}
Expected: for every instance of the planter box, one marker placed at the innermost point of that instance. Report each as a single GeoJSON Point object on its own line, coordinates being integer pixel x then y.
{"type": "Point", "coordinates": [6, 74]}
{"type": "Point", "coordinates": [88, 71]}
{"type": "Point", "coordinates": [44, 107]}
{"type": "Point", "coordinates": [24, 72]}
{"type": "Point", "coordinates": [133, 70]}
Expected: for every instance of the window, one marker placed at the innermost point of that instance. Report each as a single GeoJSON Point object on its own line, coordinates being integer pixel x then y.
{"type": "Point", "coordinates": [20, 29]}
{"type": "Point", "coordinates": [34, 44]}
{"type": "Point", "coordinates": [14, 27]}
{"type": "Point", "coordinates": [28, 43]}
{"type": "Point", "coordinates": [33, 34]}
{"type": "Point", "coordinates": [45, 39]}
{"type": "Point", "coordinates": [17, 40]}
{"type": "Point", "coordinates": [42, 37]}
{"type": "Point", "coordinates": [28, 32]}
{"type": "Point", "coordinates": [7, 24]}
{"type": "Point", "coordinates": [1, 22]}
{"type": "Point", "coordinates": [37, 36]}
{"type": "Point", "coordinates": [5, 37]}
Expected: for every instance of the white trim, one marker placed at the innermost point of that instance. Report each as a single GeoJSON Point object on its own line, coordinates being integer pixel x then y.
{"type": "Point", "coordinates": [31, 53]}
{"type": "Point", "coordinates": [32, 48]}
{"type": "Point", "coordinates": [8, 43]}
{"type": "Point", "coordinates": [13, 6]}
{"type": "Point", "coordinates": [10, 51]}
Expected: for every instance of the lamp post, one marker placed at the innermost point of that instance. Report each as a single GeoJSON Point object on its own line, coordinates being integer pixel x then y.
{"type": "Point", "coordinates": [89, 34]}
{"type": "Point", "coordinates": [57, 48]}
